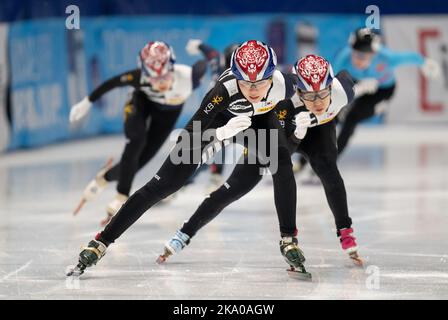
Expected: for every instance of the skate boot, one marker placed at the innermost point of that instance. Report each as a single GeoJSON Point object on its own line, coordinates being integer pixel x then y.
{"type": "Point", "coordinates": [296, 166]}
{"type": "Point", "coordinates": [294, 257]}
{"type": "Point", "coordinates": [88, 257]}
{"type": "Point", "coordinates": [95, 187]}
{"type": "Point", "coordinates": [113, 207]}
{"type": "Point", "coordinates": [349, 245]}
{"type": "Point", "coordinates": [174, 245]}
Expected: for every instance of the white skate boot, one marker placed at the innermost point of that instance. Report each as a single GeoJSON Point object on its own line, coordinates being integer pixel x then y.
{"type": "Point", "coordinates": [95, 187]}
{"type": "Point", "coordinates": [179, 241]}
{"type": "Point", "coordinates": [113, 207]}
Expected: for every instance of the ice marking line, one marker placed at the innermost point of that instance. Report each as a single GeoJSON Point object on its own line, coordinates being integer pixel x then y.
{"type": "Point", "coordinates": [418, 275]}
{"type": "Point", "coordinates": [26, 265]}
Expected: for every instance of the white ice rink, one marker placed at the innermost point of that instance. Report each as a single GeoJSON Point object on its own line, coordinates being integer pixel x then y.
{"type": "Point", "coordinates": [397, 184]}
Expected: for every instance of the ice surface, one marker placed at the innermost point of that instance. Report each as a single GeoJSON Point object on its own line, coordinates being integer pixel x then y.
{"type": "Point", "coordinates": [397, 184]}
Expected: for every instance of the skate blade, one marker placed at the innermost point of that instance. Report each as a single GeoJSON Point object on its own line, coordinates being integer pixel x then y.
{"type": "Point", "coordinates": [356, 259]}
{"type": "Point", "coordinates": [79, 207]}
{"type": "Point", "coordinates": [299, 275]}
{"type": "Point", "coordinates": [161, 259]}
{"type": "Point", "coordinates": [75, 272]}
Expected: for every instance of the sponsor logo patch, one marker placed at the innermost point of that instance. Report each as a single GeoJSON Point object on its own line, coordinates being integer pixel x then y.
{"type": "Point", "coordinates": [282, 114]}
{"type": "Point", "coordinates": [208, 108]}
{"type": "Point", "coordinates": [216, 100]}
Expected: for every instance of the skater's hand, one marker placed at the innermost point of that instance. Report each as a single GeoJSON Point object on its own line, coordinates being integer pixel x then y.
{"type": "Point", "coordinates": [233, 127]}
{"type": "Point", "coordinates": [431, 69]}
{"type": "Point", "coordinates": [80, 109]}
{"type": "Point", "coordinates": [192, 47]}
{"type": "Point", "coordinates": [367, 86]}
{"type": "Point", "coordinates": [303, 121]}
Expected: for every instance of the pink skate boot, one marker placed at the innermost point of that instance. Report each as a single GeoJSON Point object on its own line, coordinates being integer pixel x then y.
{"type": "Point", "coordinates": [349, 245]}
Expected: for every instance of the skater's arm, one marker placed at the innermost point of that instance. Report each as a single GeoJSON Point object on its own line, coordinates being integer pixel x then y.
{"type": "Point", "coordinates": [130, 78]}
{"type": "Point", "coordinates": [79, 110]}
{"type": "Point", "coordinates": [209, 52]}
{"type": "Point", "coordinates": [286, 111]}
{"type": "Point", "coordinates": [196, 47]}
{"type": "Point", "coordinates": [211, 55]}
{"type": "Point", "coordinates": [342, 60]}
{"type": "Point", "coordinates": [198, 72]}
{"type": "Point", "coordinates": [399, 58]}
{"type": "Point", "coordinates": [429, 67]}
{"type": "Point", "coordinates": [215, 101]}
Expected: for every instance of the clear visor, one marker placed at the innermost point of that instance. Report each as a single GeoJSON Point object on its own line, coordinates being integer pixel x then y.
{"type": "Point", "coordinates": [313, 95]}
{"type": "Point", "coordinates": [255, 84]}
{"type": "Point", "coordinates": [164, 78]}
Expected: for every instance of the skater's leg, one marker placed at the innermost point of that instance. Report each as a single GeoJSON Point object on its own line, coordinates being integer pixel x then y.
{"type": "Point", "coordinates": [162, 124]}
{"type": "Point", "coordinates": [135, 131]}
{"type": "Point", "coordinates": [361, 109]}
{"type": "Point", "coordinates": [243, 179]}
{"type": "Point", "coordinates": [285, 194]}
{"type": "Point", "coordinates": [113, 174]}
{"type": "Point", "coordinates": [327, 171]}
{"type": "Point", "coordinates": [170, 178]}
{"type": "Point", "coordinates": [320, 147]}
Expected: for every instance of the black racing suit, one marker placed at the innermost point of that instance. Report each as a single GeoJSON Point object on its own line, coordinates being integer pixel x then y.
{"type": "Point", "coordinates": [318, 145]}
{"type": "Point", "coordinates": [143, 140]}
{"type": "Point", "coordinates": [361, 109]}
{"type": "Point", "coordinates": [219, 62]}
{"type": "Point", "coordinates": [220, 104]}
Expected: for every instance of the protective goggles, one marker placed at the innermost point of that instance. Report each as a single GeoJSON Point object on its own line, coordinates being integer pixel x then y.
{"type": "Point", "coordinates": [312, 96]}
{"type": "Point", "coordinates": [166, 77]}
{"type": "Point", "coordinates": [254, 85]}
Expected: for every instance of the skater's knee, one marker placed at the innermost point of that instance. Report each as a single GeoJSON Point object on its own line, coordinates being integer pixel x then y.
{"type": "Point", "coordinates": [284, 170]}
{"type": "Point", "coordinates": [160, 189]}
{"type": "Point", "coordinates": [324, 163]}
{"type": "Point", "coordinates": [228, 193]}
{"type": "Point", "coordinates": [325, 167]}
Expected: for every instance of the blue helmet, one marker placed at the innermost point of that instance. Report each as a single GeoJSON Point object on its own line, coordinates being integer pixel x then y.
{"type": "Point", "coordinates": [314, 73]}
{"type": "Point", "coordinates": [253, 61]}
